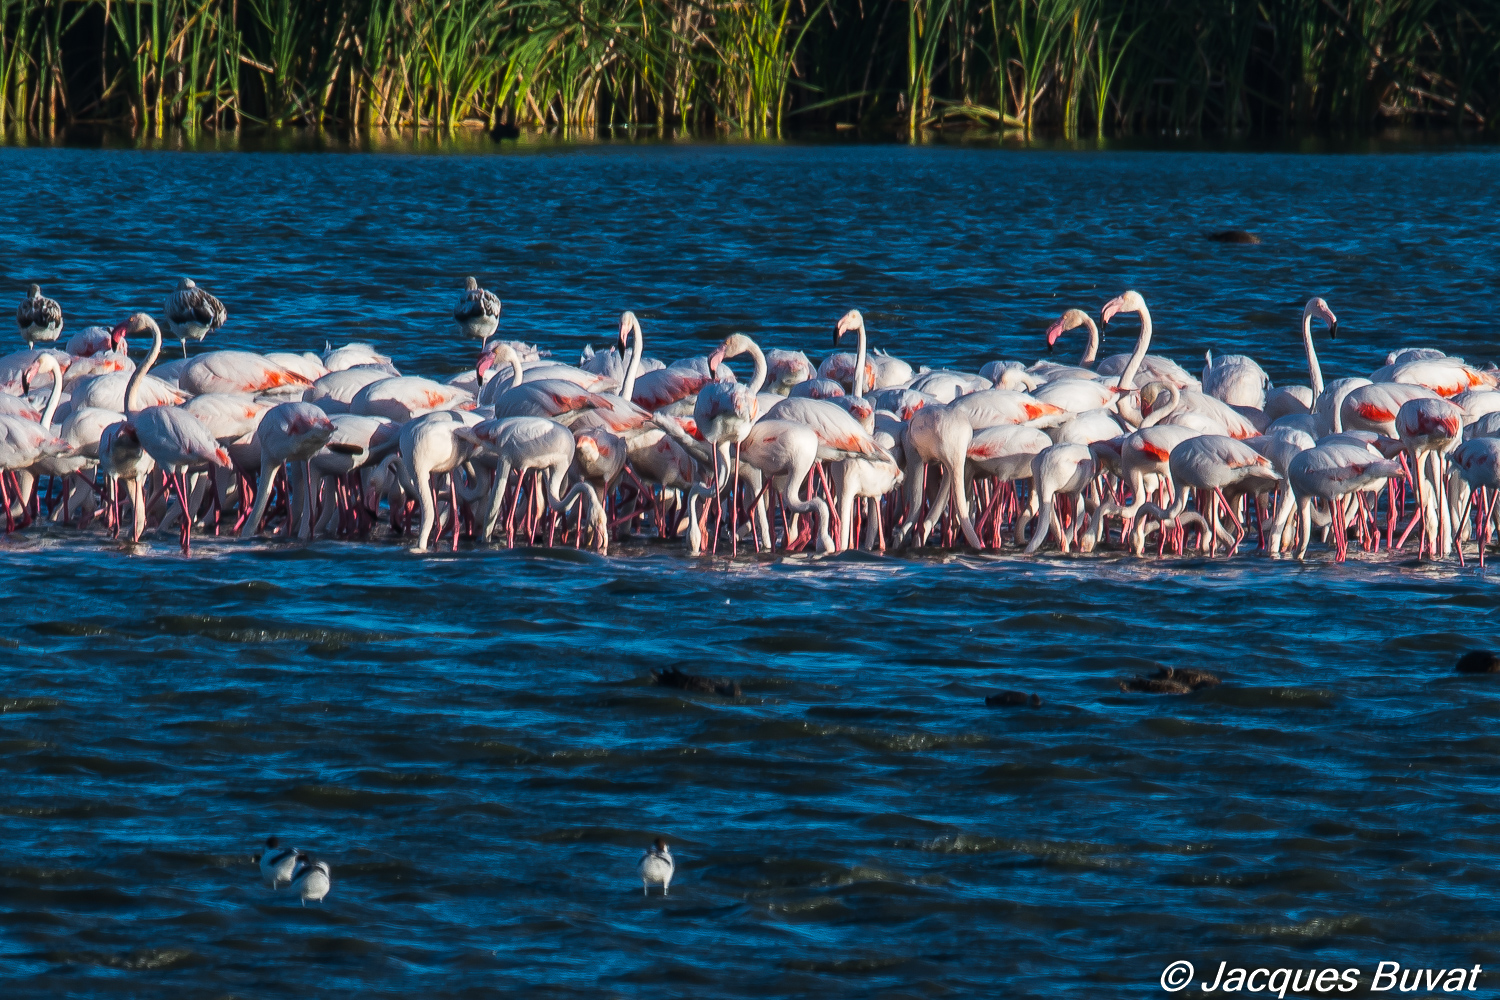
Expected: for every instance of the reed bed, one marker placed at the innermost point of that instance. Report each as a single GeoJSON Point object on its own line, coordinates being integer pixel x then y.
{"type": "Point", "coordinates": [756, 67]}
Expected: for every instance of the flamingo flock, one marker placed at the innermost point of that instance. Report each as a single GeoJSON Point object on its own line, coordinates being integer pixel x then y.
{"type": "Point", "coordinates": [1129, 452]}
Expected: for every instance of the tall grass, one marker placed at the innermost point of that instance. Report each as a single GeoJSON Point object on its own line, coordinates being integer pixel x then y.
{"type": "Point", "coordinates": [1077, 67]}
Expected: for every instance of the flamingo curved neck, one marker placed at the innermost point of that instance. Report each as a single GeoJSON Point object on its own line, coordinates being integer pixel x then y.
{"type": "Point", "coordinates": [1092, 350]}
{"type": "Point", "coordinates": [132, 388]}
{"type": "Point", "coordinates": [508, 354]}
{"type": "Point", "coordinates": [859, 363]}
{"type": "Point", "coordinates": [1127, 377]}
{"type": "Point", "coordinates": [1156, 416]}
{"type": "Point", "coordinates": [48, 361]}
{"type": "Point", "coordinates": [633, 366]}
{"type": "Point", "coordinates": [758, 356]}
{"type": "Point", "coordinates": [1314, 372]}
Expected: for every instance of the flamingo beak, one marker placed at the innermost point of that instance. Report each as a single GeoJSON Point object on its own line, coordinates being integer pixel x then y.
{"type": "Point", "coordinates": [25, 382]}
{"type": "Point", "coordinates": [1333, 330]}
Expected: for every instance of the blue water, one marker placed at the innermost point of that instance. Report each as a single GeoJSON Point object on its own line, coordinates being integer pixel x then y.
{"type": "Point", "coordinates": [472, 740]}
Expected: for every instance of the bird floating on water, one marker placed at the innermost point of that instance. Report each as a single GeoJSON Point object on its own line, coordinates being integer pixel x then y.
{"type": "Point", "coordinates": [656, 866]}
{"type": "Point", "coordinates": [312, 879]}
{"type": "Point", "coordinates": [277, 863]}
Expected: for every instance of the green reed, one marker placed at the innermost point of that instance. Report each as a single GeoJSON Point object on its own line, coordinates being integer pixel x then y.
{"type": "Point", "coordinates": [914, 66]}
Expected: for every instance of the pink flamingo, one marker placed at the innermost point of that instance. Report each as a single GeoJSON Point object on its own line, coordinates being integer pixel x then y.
{"type": "Point", "coordinates": [1431, 427]}
{"type": "Point", "coordinates": [527, 442]}
{"type": "Point", "coordinates": [1065, 469]}
{"type": "Point", "coordinates": [172, 437]}
{"type": "Point", "coordinates": [1211, 464]}
{"type": "Point", "coordinates": [1443, 375]}
{"type": "Point", "coordinates": [288, 432]}
{"type": "Point", "coordinates": [407, 397]}
{"type": "Point", "coordinates": [1333, 471]}
{"type": "Point", "coordinates": [238, 371]}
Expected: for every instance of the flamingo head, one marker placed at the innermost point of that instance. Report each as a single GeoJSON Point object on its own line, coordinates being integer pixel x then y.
{"type": "Point", "coordinates": [1128, 302]}
{"type": "Point", "coordinates": [852, 320]}
{"type": "Point", "coordinates": [735, 344]}
{"type": "Point", "coordinates": [138, 323]}
{"type": "Point", "coordinates": [628, 325]}
{"type": "Point", "coordinates": [1070, 320]}
{"type": "Point", "coordinates": [1317, 307]}
{"type": "Point", "coordinates": [471, 284]}
{"type": "Point", "coordinates": [34, 292]}
{"type": "Point", "coordinates": [485, 363]}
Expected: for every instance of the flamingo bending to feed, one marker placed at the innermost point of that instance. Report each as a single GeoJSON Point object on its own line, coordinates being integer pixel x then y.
{"type": "Point", "coordinates": [1333, 471]}
{"type": "Point", "coordinates": [192, 313]}
{"type": "Point", "coordinates": [524, 443]}
{"type": "Point", "coordinates": [435, 444]}
{"type": "Point", "coordinates": [289, 432]}
{"type": "Point", "coordinates": [1430, 426]}
{"type": "Point", "coordinates": [478, 311]}
{"type": "Point", "coordinates": [174, 438]}
{"type": "Point", "coordinates": [786, 451]}
{"type": "Point", "coordinates": [1211, 464]}
{"type": "Point", "coordinates": [1060, 469]}
{"type": "Point", "coordinates": [1477, 464]}
{"type": "Point", "coordinates": [39, 317]}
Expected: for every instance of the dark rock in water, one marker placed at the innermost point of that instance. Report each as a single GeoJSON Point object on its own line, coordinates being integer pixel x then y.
{"type": "Point", "coordinates": [1193, 678]}
{"type": "Point", "coordinates": [1171, 681]}
{"type": "Point", "coordinates": [505, 132]}
{"type": "Point", "coordinates": [1478, 661]}
{"type": "Point", "coordinates": [1234, 236]}
{"type": "Point", "coordinates": [1014, 698]}
{"type": "Point", "coordinates": [674, 678]}
{"type": "Point", "coordinates": [1154, 685]}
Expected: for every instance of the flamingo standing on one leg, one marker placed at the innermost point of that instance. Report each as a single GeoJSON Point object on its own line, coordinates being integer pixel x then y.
{"type": "Point", "coordinates": [192, 313]}
{"type": "Point", "coordinates": [39, 317]}
{"type": "Point", "coordinates": [478, 312]}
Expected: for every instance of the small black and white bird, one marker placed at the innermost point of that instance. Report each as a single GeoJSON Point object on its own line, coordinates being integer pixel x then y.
{"type": "Point", "coordinates": [39, 317]}
{"type": "Point", "coordinates": [656, 866]}
{"type": "Point", "coordinates": [193, 313]}
{"type": "Point", "coordinates": [277, 863]}
{"type": "Point", "coordinates": [478, 312]}
{"type": "Point", "coordinates": [311, 880]}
